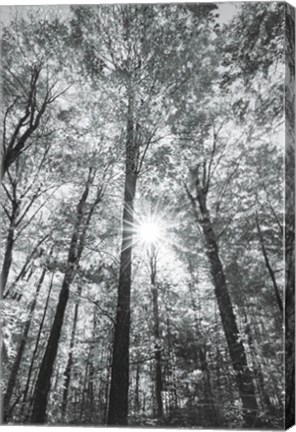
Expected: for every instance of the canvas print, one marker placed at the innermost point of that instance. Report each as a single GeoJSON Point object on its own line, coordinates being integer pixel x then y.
{"type": "Point", "coordinates": [147, 215]}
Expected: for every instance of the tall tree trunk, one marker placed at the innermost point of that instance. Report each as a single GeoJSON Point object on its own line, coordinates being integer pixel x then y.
{"type": "Point", "coordinates": [108, 376]}
{"type": "Point", "coordinates": [7, 258]}
{"type": "Point", "coordinates": [46, 368]}
{"type": "Point", "coordinates": [156, 333]}
{"type": "Point", "coordinates": [137, 389]}
{"type": "Point", "coordinates": [268, 266]}
{"type": "Point", "coordinates": [67, 373]}
{"type": "Point", "coordinates": [171, 359]}
{"type": "Point", "coordinates": [235, 346]}
{"type": "Point", "coordinates": [202, 355]}
{"type": "Point", "coordinates": [28, 381]}
{"type": "Point", "coordinates": [25, 267]}
{"type": "Point", "coordinates": [158, 374]}
{"type": "Point", "coordinates": [90, 392]}
{"type": "Point", "coordinates": [83, 393]}
{"type": "Point", "coordinates": [257, 366]}
{"type": "Point", "coordinates": [90, 381]}
{"type": "Point", "coordinates": [17, 361]}
{"type": "Point", "coordinates": [9, 246]}
{"type": "Point", "coordinates": [237, 353]}
{"type": "Point", "coordinates": [118, 400]}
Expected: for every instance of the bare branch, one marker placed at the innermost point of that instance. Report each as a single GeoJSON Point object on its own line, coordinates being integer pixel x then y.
{"type": "Point", "coordinates": [96, 303]}
{"type": "Point", "coordinates": [193, 202]}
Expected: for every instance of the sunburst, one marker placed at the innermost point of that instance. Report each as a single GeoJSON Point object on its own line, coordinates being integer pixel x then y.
{"type": "Point", "coordinates": [149, 232]}
{"type": "Point", "coordinates": [151, 227]}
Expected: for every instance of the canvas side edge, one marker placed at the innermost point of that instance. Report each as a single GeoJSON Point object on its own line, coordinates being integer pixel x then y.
{"type": "Point", "coordinates": [289, 240]}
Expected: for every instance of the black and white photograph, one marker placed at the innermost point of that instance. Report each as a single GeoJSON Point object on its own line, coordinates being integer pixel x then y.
{"type": "Point", "coordinates": [147, 215]}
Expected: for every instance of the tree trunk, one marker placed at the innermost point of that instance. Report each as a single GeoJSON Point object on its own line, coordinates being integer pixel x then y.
{"type": "Point", "coordinates": [90, 393]}
{"type": "Point", "coordinates": [268, 266]}
{"type": "Point", "coordinates": [156, 332]}
{"type": "Point", "coordinates": [137, 389]}
{"type": "Point", "coordinates": [25, 267]}
{"type": "Point", "coordinates": [171, 360]}
{"type": "Point", "coordinates": [30, 121]}
{"type": "Point", "coordinates": [257, 367]}
{"type": "Point", "coordinates": [202, 355]}
{"type": "Point", "coordinates": [90, 381]}
{"type": "Point", "coordinates": [17, 361]}
{"type": "Point", "coordinates": [108, 377]}
{"type": "Point", "coordinates": [118, 400]}
{"type": "Point", "coordinates": [235, 346]}
{"type": "Point", "coordinates": [158, 373]}
{"type": "Point", "coordinates": [46, 368]}
{"type": "Point", "coordinates": [67, 373]}
{"type": "Point", "coordinates": [7, 258]}
{"type": "Point", "coordinates": [27, 387]}
{"type": "Point", "coordinates": [9, 246]}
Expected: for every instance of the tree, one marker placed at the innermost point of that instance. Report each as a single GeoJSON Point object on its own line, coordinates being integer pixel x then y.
{"type": "Point", "coordinates": [136, 60]}
{"type": "Point", "coordinates": [80, 227]}
{"type": "Point", "coordinates": [17, 361]}
{"type": "Point", "coordinates": [236, 349]}
{"type": "Point", "coordinates": [31, 80]}
{"type": "Point", "coordinates": [152, 256]}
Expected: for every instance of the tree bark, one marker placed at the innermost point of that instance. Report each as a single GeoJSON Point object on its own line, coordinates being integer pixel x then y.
{"type": "Point", "coordinates": [202, 355]}
{"type": "Point", "coordinates": [25, 267]}
{"type": "Point", "coordinates": [27, 387]}
{"type": "Point", "coordinates": [158, 373]}
{"type": "Point", "coordinates": [118, 399]}
{"type": "Point", "coordinates": [269, 268]}
{"type": "Point", "coordinates": [9, 246]}
{"type": "Point", "coordinates": [156, 333]}
{"type": "Point", "coordinates": [67, 373]}
{"type": "Point", "coordinates": [17, 361]}
{"type": "Point", "coordinates": [7, 258]}
{"type": "Point", "coordinates": [46, 368]}
{"type": "Point", "coordinates": [137, 389]}
{"type": "Point", "coordinates": [257, 366]}
{"type": "Point", "coordinates": [235, 346]}
{"type": "Point", "coordinates": [236, 349]}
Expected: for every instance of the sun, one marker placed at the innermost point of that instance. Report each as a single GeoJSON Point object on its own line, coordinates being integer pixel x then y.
{"type": "Point", "coordinates": [149, 232]}
{"type": "Point", "coordinates": [150, 229]}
